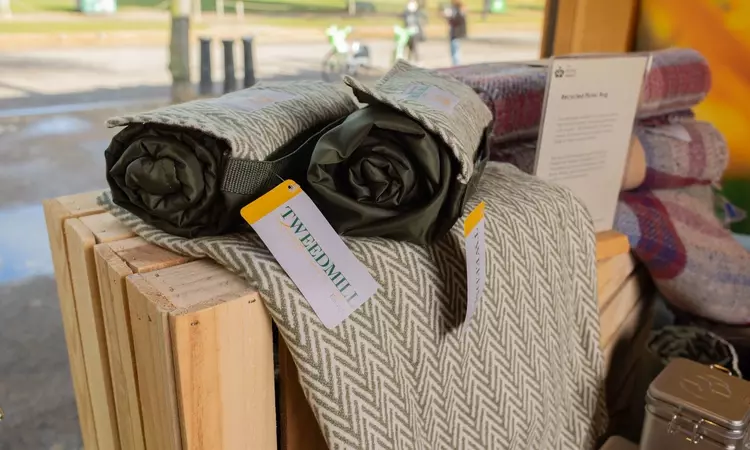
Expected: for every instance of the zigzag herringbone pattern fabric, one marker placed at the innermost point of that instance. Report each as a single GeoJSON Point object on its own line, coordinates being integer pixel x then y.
{"type": "Point", "coordinates": [403, 373]}
{"type": "Point", "coordinates": [258, 120]}
{"type": "Point", "coordinates": [442, 104]}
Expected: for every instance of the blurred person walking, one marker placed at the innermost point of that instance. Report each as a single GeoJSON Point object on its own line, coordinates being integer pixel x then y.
{"type": "Point", "coordinates": [413, 20]}
{"type": "Point", "coordinates": [456, 18]}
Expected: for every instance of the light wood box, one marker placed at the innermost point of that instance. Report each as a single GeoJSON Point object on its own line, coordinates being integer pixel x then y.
{"type": "Point", "coordinates": [170, 353]}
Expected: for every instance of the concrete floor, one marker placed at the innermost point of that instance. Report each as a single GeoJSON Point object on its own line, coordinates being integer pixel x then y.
{"type": "Point", "coordinates": [52, 107]}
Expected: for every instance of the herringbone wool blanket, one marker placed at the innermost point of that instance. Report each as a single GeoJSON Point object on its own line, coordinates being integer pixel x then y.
{"type": "Point", "coordinates": [403, 371]}
{"type": "Point", "coordinates": [678, 79]}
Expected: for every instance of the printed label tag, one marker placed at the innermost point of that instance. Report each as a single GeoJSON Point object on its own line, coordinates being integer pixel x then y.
{"type": "Point", "coordinates": [674, 130]}
{"type": "Point", "coordinates": [331, 278]}
{"type": "Point", "coordinates": [431, 96]}
{"type": "Point", "coordinates": [256, 99]}
{"type": "Point", "coordinates": [476, 265]}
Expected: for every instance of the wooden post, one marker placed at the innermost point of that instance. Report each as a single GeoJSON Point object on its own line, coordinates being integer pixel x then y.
{"type": "Point", "coordinates": [583, 26]}
{"type": "Point", "coordinates": [179, 52]}
{"type": "Point", "coordinates": [219, 8]}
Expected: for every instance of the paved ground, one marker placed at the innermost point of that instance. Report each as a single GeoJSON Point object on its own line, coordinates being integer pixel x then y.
{"type": "Point", "coordinates": [51, 144]}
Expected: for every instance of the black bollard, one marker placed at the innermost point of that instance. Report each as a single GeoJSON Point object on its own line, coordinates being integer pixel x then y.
{"type": "Point", "coordinates": [249, 64]}
{"type": "Point", "coordinates": [230, 83]}
{"type": "Point", "coordinates": [206, 85]}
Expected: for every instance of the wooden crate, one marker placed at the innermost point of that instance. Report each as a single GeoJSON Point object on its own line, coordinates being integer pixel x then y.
{"type": "Point", "coordinates": [171, 353]}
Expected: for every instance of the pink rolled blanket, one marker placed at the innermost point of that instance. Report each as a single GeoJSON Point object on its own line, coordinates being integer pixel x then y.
{"type": "Point", "coordinates": [679, 79]}
{"type": "Point", "coordinates": [682, 154]}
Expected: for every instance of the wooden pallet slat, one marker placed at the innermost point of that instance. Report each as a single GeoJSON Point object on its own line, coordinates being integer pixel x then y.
{"type": "Point", "coordinates": [113, 269]}
{"type": "Point", "coordinates": [56, 212]}
{"type": "Point", "coordinates": [626, 301]}
{"type": "Point", "coordinates": [205, 338]}
{"type": "Point", "coordinates": [81, 241]}
{"type": "Point", "coordinates": [611, 273]}
{"type": "Point", "coordinates": [152, 346]}
{"type": "Point", "coordinates": [299, 428]}
{"type": "Point", "coordinates": [112, 272]}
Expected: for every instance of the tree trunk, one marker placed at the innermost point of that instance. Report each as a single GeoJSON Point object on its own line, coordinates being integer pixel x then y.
{"type": "Point", "coordinates": [352, 7]}
{"type": "Point", "coordinates": [5, 9]}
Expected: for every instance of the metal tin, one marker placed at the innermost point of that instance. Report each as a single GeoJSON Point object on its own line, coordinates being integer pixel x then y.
{"type": "Point", "coordinates": [693, 406]}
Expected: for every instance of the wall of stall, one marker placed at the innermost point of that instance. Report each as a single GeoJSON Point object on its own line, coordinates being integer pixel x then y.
{"type": "Point", "coordinates": [720, 29]}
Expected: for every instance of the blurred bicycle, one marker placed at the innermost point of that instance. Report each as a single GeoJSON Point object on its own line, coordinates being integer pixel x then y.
{"type": "Point", "coordinates": [405, 40]}
{"type": "Point", "coordinates": [344, 58]}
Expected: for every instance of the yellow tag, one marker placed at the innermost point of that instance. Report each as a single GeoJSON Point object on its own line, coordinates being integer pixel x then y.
{"type": "Point", "coordinates": [476, 265]}
{"type": "Point", "coordinates": [306, 246]}
{"type": "Point", "coordinates": [474, 217]}
{"type": "Point", "coordinates": [270, 201]}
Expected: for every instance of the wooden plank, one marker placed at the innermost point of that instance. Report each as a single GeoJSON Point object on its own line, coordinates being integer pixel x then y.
{"type": "Point", "coordinates": [220, 357]}
{"type": "Point", "coordinates": [56, 212]}
{"type": "Point", "coordinates": [106, 228]}
{"type": "Point", "coordinates": [152, 347]}
{"type": "Point", "coordinates": [622, 304]}
{"type": "Point", "coordinates": [585, 26]}
{"type": "Point", "coordinates": [113, 270]}
{"type": "Point", "coordinates": [634, 324]}
{"type": "Point", "coordinates": [610, 275]}
{"type": "Point", "coordinates": [610, 244]}
{"type": "Point", "coordinates": [80, 243]}
{"type": "Point", "coordinates": [299, 428]}
{"type": "Point", "coordinates": [141, 257]}
{"type": "Point", "coordinates": [82, 204]}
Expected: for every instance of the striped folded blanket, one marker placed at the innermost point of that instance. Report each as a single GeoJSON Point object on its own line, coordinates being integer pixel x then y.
{"type": "Point", "coordinates": [679, 79]}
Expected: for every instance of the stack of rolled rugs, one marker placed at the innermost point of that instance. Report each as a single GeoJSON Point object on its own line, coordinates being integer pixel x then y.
{"type": "Point", "coordinates": [669, 207]}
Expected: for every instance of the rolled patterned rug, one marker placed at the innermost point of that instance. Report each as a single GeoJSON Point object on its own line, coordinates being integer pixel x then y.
{"type": "Point", "coordinates": [188, 169]}
{"type": "Point", "coordinates": [678, 79]}
{"type": "Point", "coordinates": [404, 166]}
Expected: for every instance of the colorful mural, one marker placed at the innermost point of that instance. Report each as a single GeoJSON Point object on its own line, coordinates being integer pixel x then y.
{"type": "Point", "coordinates": [720, 29]}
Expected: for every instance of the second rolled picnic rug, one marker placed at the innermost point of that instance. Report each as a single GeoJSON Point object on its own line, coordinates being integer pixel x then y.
{"type": "Point", "coordinates": [403, 166]}
{"type": "Point", "coordinates": [403, 372]}
{"type": "Point", "coordinates": [189, 168]}
{"type": "Point", "coordinates": [677, 80]}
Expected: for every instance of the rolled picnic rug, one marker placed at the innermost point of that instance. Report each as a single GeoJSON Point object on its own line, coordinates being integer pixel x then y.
{"type": "Point", "coordinates": [663, 156]}
{"type": "Point", "coordinates": [404, 166]}
{"type": "Point", "coordinates": [188, 169]}
{"type": "Point", "coordinates": [677, 80]}
{"type": "Point", "coordinates": [682, 154]}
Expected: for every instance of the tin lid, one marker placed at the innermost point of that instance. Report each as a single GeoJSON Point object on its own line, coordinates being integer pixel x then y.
{"type": "Point", "coordinates": [707, 393]}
